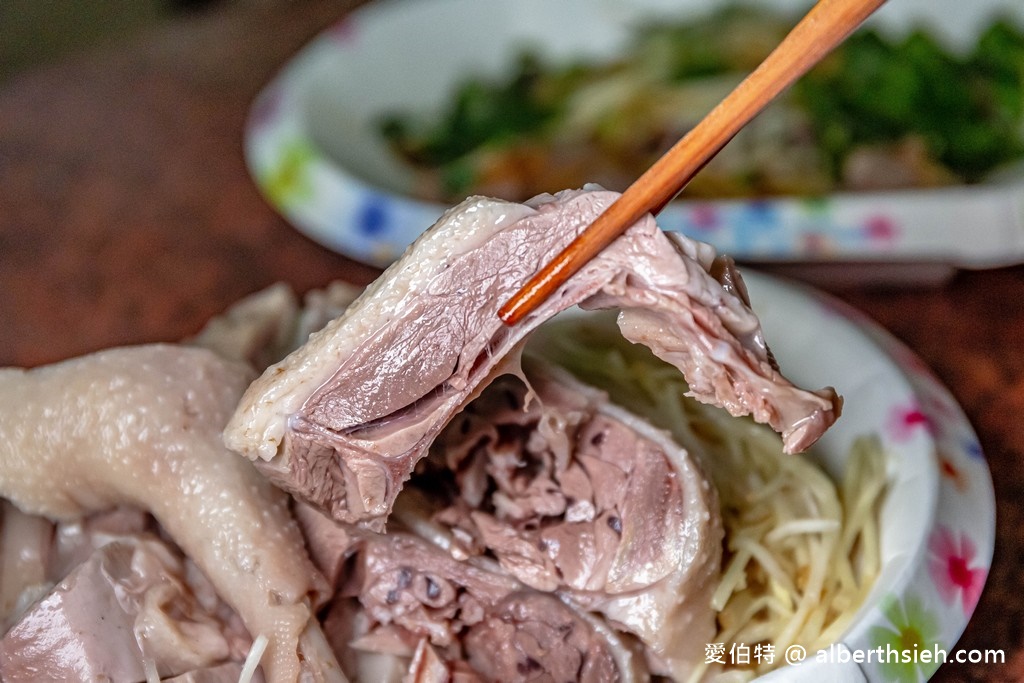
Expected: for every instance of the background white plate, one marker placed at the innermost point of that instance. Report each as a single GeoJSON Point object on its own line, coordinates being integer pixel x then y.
{"type": "Point", "coordinates": [313, 147]}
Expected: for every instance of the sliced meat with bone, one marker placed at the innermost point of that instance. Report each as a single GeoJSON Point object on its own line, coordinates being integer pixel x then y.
{"type": "Point", "coordinates": [582, 498]}
{"type": "Point", "coordinates": [532, 636]}
{"type": "Point", "coordinates": [343, 420]}
{"type": "Point", "coordinates": [479, 623]}
{"type": "Point", "coordinates": [537, 488]}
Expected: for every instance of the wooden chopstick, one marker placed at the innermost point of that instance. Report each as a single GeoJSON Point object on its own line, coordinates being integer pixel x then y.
{"type": "Point", "coordinates": [826, 25]}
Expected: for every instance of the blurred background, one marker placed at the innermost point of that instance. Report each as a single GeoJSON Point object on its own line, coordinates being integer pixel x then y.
{"type": "Point", "coordinates": [38, 31]}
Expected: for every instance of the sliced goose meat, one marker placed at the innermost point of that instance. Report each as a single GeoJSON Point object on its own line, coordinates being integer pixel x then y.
{"type": "Point", "coordinates": [131, 601]}
{"type": "Point", "coordinates": [426, 612]}
{"type": "Point", "coordinates": [223, 673]}
{"type": "Point", "coordinates": [538, 486]}
{"type": "Point", "coordinates": [574, 495]}
{"type": "Point", "coordinates": [141, 426]}
{"type": "Point", "coordinates": [26, 556]}
{"type": "Point", "coordinates": [342, 421]}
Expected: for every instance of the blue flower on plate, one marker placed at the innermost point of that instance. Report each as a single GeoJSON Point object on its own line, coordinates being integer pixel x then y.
{"type": "Point", "coordinates": [372, 216]}
{"type": "Point", "coordinates": [756, 228]}
{"type": "Point", "coordinates": [973, 449]}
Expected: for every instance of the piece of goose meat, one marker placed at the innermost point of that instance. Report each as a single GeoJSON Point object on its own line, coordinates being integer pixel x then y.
{"type": "Point", "coordinates": [574, 495]}
{"type": "Point", "coordinates": [417, 603]}
{"type": "Point", "coordinates": [25, 558]}
{"type": "Point", "coordinates": [343, 420]}
{"type": "Point", "coordinates": [141, 426]}
{"type": "Point", "coordinates": [543, 485]}
{"type": "Point", "coordinates": [133, 599]}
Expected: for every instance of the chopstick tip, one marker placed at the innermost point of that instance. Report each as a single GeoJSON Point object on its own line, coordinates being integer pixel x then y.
{"type": "Point", "coordinates": [512, 311]}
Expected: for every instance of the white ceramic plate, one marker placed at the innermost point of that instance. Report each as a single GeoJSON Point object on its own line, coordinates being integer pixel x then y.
{"type": "Point", "coordinates": [938, 517]}
{"type": "Point", "coordinates": [312, 142]}
{"type": "Point", "coordinates": [938, 520]}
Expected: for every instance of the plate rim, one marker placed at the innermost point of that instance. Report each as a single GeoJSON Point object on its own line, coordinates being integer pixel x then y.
{"type": "Point", "coordinates": [957, 446]}
{"type": "Point", "coordinates": [352, 216]}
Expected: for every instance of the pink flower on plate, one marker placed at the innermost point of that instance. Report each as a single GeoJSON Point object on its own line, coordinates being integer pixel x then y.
{"type": "Point", "coordinates": [705, 217]}
{"type": "Point", "coordinates": [904, 421]}
{"type": "Point", "coordinates": [951, 563]}
{"type": "Point", "coordinates": [880, 229]}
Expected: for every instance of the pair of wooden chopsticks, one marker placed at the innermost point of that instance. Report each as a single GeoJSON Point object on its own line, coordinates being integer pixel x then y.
{"type": "Point", "coordinates": [827, 24]}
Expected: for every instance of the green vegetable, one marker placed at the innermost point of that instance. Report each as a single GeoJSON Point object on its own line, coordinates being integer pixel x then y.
{"type": "Point", "coordinates": [938, 116]}
{"type": "Point", "coordinates": [967, 111]}
{"type": "Point", "coordinates": [481, 113]}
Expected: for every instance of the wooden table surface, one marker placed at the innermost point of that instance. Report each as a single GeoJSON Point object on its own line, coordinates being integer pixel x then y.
{"type": "Point", "coordinates": [127, 216]}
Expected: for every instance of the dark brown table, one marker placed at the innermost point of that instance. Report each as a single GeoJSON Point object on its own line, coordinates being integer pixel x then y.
{"type": "Point", "coordinates": [127, 216]}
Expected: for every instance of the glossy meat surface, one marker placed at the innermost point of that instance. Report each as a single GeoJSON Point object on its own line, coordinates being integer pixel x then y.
{"type": "Point", "coordinates": [343, 421]}
{"type": "Point", "coordinates": [542, 510]}
{"type": "Point", "coordinates": [141, 426]}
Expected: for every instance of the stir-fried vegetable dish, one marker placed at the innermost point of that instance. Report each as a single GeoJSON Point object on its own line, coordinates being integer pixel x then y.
{"type": "Point", "coordinates": [882, 112]}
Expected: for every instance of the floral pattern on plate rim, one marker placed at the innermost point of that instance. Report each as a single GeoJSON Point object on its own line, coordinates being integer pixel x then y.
{"type": "Point", "coordinates": [935, 607]}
